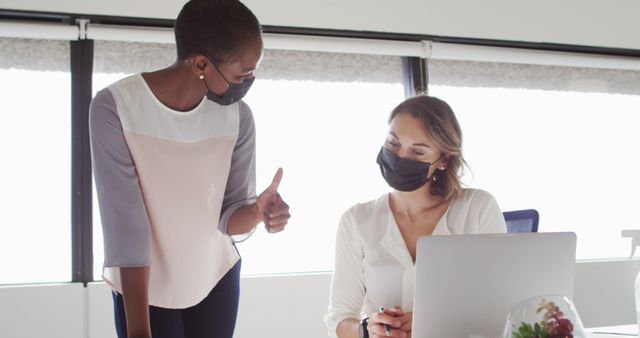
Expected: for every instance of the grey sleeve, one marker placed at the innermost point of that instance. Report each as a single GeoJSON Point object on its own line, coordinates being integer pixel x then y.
{"type": "Point", "coordinates": [125, 224]}
{"type": "Point", "coordinates": [241, 184]}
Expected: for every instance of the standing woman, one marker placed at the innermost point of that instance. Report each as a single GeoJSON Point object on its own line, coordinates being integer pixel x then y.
{"type": "Point", "coordinates": [174, 164]}
{"type": "Point", "coordinates": [421, 160]}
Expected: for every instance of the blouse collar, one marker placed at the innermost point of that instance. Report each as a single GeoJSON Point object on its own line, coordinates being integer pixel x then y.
{"type": "Point", "coordinates": [392, 240]}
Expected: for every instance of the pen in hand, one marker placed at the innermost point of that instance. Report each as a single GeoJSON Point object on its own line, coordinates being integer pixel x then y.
{"type": "Point", "coordinates": [387, 328]}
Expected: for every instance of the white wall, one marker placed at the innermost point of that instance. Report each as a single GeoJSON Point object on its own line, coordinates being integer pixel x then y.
{"type": "Point", "coordinates": [277, 306]}
{"type": "Point", "coordinates": [283, 306]}
{"type": "Point", "coordinates": [604, 292]}
{"type": "Point", "coordinates": [580, 22]}
{"type": "Point", "coordinates": [43, 311]}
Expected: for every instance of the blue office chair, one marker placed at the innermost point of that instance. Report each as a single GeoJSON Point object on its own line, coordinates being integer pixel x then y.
{"type": "Point", "coordinates": [522, 220]}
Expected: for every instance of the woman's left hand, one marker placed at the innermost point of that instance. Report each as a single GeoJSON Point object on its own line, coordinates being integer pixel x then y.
{"type": "Point", "coordinates": [407, 321]}
{"type": "Point", "coordinates": [274, 210]}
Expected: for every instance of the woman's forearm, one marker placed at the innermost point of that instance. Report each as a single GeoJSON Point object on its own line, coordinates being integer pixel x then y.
{"type": "Point", "coordinates": [135, 292]}
{"type": "Point", "coordinates": [244, 219]}
{"type": "Point", "coordinates": [348, 328]}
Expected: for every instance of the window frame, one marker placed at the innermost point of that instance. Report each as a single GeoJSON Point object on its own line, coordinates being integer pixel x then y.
{"type": "Point", "coordinates": [414, 69]}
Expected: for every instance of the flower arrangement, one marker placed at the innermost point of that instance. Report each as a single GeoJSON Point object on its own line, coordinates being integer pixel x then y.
{"type": "Point", "coordinates": [553, 325]}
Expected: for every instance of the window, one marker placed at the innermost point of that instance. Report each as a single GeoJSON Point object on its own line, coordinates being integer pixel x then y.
{"type": "Point", "coordinates": [557, 139]}
{"type": "Point", "coordinates": [320, 116]}
{"type": "Point", "coordinates": [35, 223]}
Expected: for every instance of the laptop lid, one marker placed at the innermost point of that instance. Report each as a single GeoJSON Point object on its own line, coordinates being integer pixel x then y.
{"type": "Point", "coordinates": [466, 284]}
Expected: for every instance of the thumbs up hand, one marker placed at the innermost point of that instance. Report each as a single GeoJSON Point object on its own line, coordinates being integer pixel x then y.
{"type": "Point", "coordinates": [275, 212]}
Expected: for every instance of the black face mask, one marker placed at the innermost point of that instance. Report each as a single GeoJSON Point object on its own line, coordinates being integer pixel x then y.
{"type": "Point", "coordinates": [234, 93]}
{"type": "Point", "coordinates": [402, 174]}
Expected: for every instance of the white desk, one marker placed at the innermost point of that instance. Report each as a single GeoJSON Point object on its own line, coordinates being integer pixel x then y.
{"type": "Point", "coordinates": [613, 331]}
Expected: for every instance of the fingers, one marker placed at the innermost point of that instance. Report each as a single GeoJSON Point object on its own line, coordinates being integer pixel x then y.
{"type": "Point", "coordinates": [385, 318]}
{"type": "Point", "coordinates": [377, 331]}
{"type": "Point", "coordinates": [275, 212]}
{"type": "Point", "coordinates": [276, 224]}
{"type": "Point", "coordinates": [273, 187]}
{"type": "Point", "coordinates": [394, 317]}
{"type": "Point", "coordinates": [273, 230]}
{"type": "Point", "coordinates": [277, 208]}
{"type": "Point", "coordinates": [395, 311]}
{"type": "Point", "coordinates": [407, 321]}
{"type": "Point", "coordinates": [278, 221]}
{"type": "Point", "coordinates": [277, 216]}
{"type": "Point", "coordinates": [270, 196]}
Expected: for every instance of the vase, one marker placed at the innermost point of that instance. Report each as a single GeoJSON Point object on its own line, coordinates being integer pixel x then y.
{"type": "Point", "coordinates": [550, 316]}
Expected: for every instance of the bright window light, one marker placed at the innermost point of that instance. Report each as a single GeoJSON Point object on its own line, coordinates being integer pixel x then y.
{"type": "Point", "coordinates": [568, 153]}
{"type": "Point", "coordinates": [35, 143]}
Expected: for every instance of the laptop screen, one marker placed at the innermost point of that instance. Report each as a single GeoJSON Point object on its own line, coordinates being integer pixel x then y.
{"type": "Point", "coordinates": [466, 284]}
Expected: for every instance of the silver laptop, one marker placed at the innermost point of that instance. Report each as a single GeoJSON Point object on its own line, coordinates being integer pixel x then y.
{"type": "Point", "coordinates": [466, 284]}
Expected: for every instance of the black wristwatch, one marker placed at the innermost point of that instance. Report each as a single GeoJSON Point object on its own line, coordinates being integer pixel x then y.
{"type": "Point", "coordinates": [364, 332]}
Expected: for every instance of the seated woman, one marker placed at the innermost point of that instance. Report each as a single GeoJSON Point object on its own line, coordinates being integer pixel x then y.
{"type": "Point", "coordinates": [376, 242]}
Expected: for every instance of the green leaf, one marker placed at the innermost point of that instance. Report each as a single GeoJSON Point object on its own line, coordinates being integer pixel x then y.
{"type": "Point", "coordinates": [525, 331]}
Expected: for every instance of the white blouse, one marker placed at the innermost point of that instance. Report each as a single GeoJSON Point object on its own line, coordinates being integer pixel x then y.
{"type": "Point", "coordinates": [373, 267]}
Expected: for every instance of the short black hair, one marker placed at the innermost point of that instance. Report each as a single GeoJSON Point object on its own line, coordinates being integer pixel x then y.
{"type": "Point", "coordinates": [214, 28]}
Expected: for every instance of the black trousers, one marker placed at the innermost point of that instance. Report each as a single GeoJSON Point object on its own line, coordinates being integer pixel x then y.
{"type": "Point", "coordinates": [214, 317]}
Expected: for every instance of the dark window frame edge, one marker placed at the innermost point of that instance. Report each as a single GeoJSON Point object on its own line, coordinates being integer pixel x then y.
{"type": "Point", "coordinates": [70, 18]}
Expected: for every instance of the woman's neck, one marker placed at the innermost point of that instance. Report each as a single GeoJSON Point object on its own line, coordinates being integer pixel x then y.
{"type": "Point", "coordinates": [415, 203]}
{"type": "Point", "coordinates": [176, 87]}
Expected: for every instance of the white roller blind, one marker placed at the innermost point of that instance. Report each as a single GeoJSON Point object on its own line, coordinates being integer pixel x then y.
{"type": "Point", "coordinates": [27, 54]}
{"type": "Point", "coordinates": [424, 49]}
{"type": "Point", "coordinates": [130, 33]}
{"type": "Point", "coordinates": [28, 30]}
{"type": "Point", "coordinates": [461, 52]}
{"type": "Point", "coordinates": [531, 76]}
{"type": "Point", "coordinates": [271, 41]}
{"type": "Point", "coordinates": [132, 57]}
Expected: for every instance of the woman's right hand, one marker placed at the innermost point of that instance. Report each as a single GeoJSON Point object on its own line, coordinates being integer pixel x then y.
{"type": "Point", "coordinates": [389, 317]}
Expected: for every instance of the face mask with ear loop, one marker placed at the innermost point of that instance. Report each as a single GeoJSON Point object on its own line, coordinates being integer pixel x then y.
{"type": "Point", "coordinates": [234, 93]}
{"type": "Point", "coordinates": [403, 174]}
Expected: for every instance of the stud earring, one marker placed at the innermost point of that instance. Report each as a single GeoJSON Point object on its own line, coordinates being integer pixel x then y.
{"type": "Point", "coordinates": [435, 178]}
{"type": "Point", "coordinates": [201, 76]}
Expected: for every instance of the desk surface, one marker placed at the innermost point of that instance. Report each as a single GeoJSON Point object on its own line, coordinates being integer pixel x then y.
{"type": "Point", "coordinates": [613, 331]}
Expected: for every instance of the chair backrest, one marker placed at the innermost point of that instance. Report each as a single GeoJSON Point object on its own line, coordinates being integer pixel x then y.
{"type": "Point", "coordinates": [522, 220]}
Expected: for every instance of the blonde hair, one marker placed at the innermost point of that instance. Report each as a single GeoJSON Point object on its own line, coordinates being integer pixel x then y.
{"type": "Point", "coordinates": [443, 128]}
